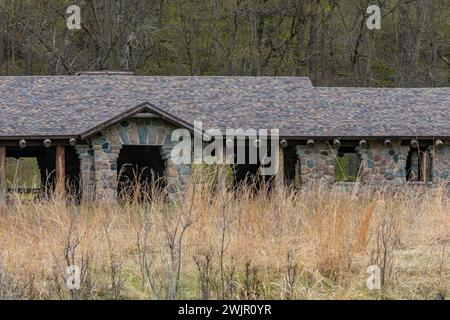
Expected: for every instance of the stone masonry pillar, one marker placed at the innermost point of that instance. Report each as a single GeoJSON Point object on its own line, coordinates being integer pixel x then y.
{"type": "Point", "coordinates": [317, 162]}
{"type": "Point", "coordinates": [440, 158]}
{"type": "Point", "coordinates": [87, 172]}
{"type": "Point", "coordinates": [105, 162]}
{"type": "Point", "coordinates": [177, 176]}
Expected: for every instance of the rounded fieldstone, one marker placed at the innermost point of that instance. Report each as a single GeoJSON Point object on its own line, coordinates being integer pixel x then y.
{"type": "Point", "coordinates": [377, 158]}
{"type": "Point", "coordinates": [310, 163]}
{"type": "Point", "coordinates": [171, 171]}
{"type": "Point", "coordinates": [184, 170]}
{"type": "Point", "coordinates": [330, 170]}
{"type": "Point", "coordinates": [390, 175]}
{"type": "Point", "coordinates": [395, 157]}
{"type": "Point", "coordinates": [391, 152]}
{"type": "Point", "coordinates": [101, 165]}
{"type": "Point", "coordinates": [370, 163]}
{"type": "Point", "coordinates": [445, 175]}
{"type": "Point", "coordinates": [304, 170]}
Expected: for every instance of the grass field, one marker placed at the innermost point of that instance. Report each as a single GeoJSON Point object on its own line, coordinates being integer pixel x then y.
{"type": "Point", "coordinates": [313, 244]}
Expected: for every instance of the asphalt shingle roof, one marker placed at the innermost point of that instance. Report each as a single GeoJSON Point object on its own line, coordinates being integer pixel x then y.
{"type": "Point", "coordinates": [71, 105]}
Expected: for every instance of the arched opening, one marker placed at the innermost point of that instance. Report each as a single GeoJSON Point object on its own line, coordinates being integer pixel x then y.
{"type": "Point", "coordinates": [140, 172]}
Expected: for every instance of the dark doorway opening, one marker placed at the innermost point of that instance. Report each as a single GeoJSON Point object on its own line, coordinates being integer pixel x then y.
{"type": "Point", "coordinates": [291, 166]}
{"type": "Point", "coordinates": [72, 171]}
{"type": "Point", "coordinates": [140, 172]}
{"type": "Point", "coordinates": [418, 165]}
{"type": "Point", "coordinates": [249, 173]}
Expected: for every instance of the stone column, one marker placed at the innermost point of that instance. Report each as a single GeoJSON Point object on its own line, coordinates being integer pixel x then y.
{"type": "Point", "coordinates": [87, 172]}
{"type": "Point", "coordinates": [105, 162]}
{"type": "Point", "coordinates": [317, 163]}
{"type": "Point", "coordinates": [177, 176]}
{"type": "Point", "coordinates": [441, 164]}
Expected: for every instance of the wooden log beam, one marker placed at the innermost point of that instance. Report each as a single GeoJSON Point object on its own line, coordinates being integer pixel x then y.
{"type": "Point", "coordinates": [73, 142]}
{"type": "Point", "coordinates": [439, 144]}
{"type": "Point", "coordinates": [414, 143]}
{"type": "Point", "coordinates": [22, 144]}
{"type": "Point", "coordinates": [47, 143]}
{"type": "Point", "coordinates": [60, 169]}
{"type": "Point", "coordinates": [388, 143]}
{"type": "Point", "coordinates": [310, 143]}
{"type": "Point", "coordinates": [336, 143]}
{"type": "Point", "coordinates": [363, 143]}
{"type": "Point", "coordinates": [2, 175]}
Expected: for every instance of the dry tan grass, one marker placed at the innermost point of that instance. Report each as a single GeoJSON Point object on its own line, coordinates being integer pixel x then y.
{"type": "Point", "coordinates": [311, 244]}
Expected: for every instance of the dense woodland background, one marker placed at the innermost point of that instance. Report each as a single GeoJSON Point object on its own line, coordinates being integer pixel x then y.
{"type": "Point", "coordinates": [326, 40]}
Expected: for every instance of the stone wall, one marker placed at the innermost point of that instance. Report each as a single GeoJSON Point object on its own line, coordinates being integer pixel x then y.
{"type": "Point", "coordinates": [317, 163]}
{"type": "Point", "coordinates": [441, 164]}
{"type": "Point", "coordinates": [381, 163]}
{"type": "Point", "coordinates": [99, 159]}
{"type": "Point", "coordinates": [105, 163]}
{"type": "Point", "coordinates": [177, 176]}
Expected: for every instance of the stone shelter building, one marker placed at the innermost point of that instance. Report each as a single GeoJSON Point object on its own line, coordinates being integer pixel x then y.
{"type": "Point", "coordinates": [84, 130]}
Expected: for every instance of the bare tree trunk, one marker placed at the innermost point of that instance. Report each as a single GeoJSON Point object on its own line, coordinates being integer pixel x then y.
{"type": "Point", "coordinates": [300, 40]}
{"type": "Point", "coordinates": [432, 45]}
{"type": "Point", "coordinates": [313, 46]}
{"type": "Point", "coordinates": [408, 41]}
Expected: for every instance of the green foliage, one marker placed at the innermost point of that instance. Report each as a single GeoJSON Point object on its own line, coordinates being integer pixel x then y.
{"type": "Point", "coordinates": [22, 173]}
{"type": "Point", "coordinates": [341, 169]}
